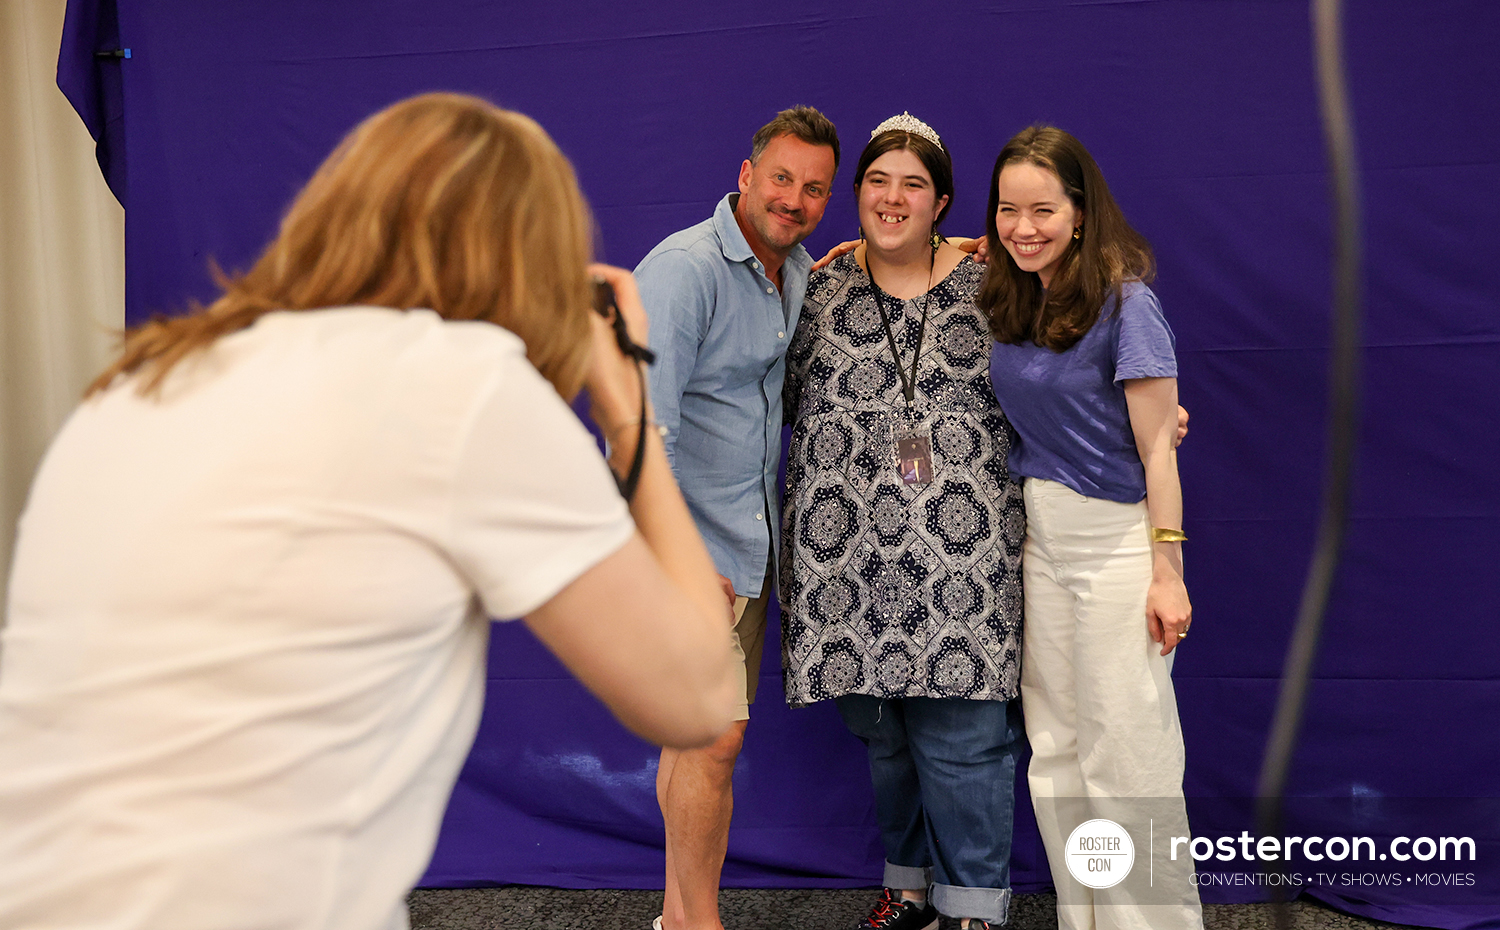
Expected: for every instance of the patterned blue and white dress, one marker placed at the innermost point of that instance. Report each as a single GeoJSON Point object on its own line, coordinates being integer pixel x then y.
{"type": "Point", "coordinates": [889, 589]}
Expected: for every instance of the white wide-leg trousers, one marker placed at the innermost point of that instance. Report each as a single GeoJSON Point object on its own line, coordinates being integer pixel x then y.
{"type": "Point", "coordinates": [1100, 711]}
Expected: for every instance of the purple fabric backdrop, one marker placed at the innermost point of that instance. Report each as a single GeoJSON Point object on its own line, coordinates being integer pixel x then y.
{"type": "Point", "coordinates": [1203, 116]}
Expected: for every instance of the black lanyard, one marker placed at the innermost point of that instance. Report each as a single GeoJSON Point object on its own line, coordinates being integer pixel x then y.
{"type": "Point", "coordinates": [908, 384]}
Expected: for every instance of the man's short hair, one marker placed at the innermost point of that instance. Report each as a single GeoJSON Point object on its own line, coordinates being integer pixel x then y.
{"type": "Point", "coordinates": [805, 123]}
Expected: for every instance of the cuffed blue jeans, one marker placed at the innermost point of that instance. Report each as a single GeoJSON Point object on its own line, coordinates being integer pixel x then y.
{"type": "Point", "coordinates": [944, 772]}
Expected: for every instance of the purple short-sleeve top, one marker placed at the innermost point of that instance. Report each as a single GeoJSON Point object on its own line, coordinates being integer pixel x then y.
{"type": "Point", "coordinates": [1068, 408]}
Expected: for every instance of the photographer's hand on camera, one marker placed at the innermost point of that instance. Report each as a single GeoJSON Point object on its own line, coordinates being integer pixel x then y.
{"type": "Point", "coordinates": [614, 379]}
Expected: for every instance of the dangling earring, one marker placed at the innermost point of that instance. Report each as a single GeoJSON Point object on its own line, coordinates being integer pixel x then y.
{"type": "Point", "coordinates": [861, 233]}
{"type": "Point", "coordinates": [1077, 232]}
{"type": "Point", "coordinates": [937, 239]}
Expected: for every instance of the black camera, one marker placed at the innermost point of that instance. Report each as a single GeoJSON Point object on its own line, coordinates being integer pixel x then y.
{"type": "Point", "coordinates": [604, 304]}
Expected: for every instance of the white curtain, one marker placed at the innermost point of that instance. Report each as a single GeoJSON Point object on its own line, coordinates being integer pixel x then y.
{"type": "Point", "coordinates": [62, 254]}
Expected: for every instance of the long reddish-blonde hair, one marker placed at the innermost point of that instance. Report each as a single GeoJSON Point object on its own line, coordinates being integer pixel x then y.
{"type": "Point", "coordinates": [441, 201]}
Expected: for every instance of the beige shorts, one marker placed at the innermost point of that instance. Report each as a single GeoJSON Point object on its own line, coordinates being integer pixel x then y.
{"type": "Point", "coordinates": [749, 642]}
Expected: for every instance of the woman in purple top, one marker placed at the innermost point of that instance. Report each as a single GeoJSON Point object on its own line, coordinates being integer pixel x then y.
{"type": "Point", "coordinates": [1084, 368]}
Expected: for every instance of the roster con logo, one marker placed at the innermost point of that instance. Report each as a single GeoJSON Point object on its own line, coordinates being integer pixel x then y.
{"type": "Point", "coordinates": [1099, 853]}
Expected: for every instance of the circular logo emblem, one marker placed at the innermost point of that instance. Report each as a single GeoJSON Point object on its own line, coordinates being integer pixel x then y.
{"type": "Point", "coordinates": [1099, 853]}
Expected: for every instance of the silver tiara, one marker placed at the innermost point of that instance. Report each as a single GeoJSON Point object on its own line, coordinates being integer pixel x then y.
{"type": "Point", "coordinates": [909, 123]}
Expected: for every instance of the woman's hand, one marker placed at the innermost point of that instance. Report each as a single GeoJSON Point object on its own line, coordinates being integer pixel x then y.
{"type": "Point", "coordinates": [1156, 419]}
{"type": "Point", "coordinates": [1168, 612]}
{"type": "Point", "coordinates": [614, 380]}
{"type": "Point", "coordinates": [843, 248]}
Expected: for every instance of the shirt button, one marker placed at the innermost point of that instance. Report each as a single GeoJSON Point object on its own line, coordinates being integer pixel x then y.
{"type": "Point", "coordinates": [770, 290]}
{"type": "Point", "coordinates": [760, 516]}
{"type": "Point", "coordinates": [781, 335]}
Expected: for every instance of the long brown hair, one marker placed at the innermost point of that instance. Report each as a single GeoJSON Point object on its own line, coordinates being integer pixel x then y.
{"type": "Point", "coordinates": [442, 201]}
{"type": "Point", "coordinates": [1095, 266]}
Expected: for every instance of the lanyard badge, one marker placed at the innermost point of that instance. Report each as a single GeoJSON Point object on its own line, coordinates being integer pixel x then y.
{"type": "Point", "coordinates": [914, 455]}
{"type": "Point", "coordinates": [913, 444]}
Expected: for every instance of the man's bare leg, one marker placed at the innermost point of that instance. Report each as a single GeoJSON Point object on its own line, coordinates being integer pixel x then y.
{"type": "Point", "coordinates": [693, 788]}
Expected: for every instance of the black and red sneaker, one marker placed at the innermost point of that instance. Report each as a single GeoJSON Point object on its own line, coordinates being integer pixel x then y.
{"type": "Point", "coordinates": [892, 913]}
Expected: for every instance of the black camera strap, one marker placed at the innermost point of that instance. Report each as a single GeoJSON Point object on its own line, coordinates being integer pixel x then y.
{"type": "Point", "coordinates": [627, 485]}
{"type": "Point", "coordinates": [604, 303]}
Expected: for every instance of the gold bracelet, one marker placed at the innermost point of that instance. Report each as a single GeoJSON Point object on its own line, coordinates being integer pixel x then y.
{"type": "Point", "coordinates": [1160, 535]}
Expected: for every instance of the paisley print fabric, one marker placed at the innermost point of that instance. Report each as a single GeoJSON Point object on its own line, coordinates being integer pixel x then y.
{"type": "Point", "coordinates": [889, 589]}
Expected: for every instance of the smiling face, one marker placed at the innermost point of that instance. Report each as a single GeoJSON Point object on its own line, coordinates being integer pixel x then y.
{"type": "Point", "coordinates": [898, 204]}
{"type": "Point", "coordinates": [1035, 218]}
{"type": "Point", "coordinates": [783, 193]}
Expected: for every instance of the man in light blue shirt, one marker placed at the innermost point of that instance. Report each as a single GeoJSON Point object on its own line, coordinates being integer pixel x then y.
{"type": "Point", "coordinates": [723, 299]}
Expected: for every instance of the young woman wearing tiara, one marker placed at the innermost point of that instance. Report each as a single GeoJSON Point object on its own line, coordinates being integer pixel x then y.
{"type": "Point", "coordinates": [901, 584]}
{"type": "Point", "coordinates": [1085, 368]}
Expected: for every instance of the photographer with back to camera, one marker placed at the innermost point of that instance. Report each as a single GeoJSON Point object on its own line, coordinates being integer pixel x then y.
{"type": "Point", "coordinates": [247, 628]}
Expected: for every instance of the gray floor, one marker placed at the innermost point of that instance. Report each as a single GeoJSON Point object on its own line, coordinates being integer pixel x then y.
{"type": "Point", "coordinates": [528, 908]}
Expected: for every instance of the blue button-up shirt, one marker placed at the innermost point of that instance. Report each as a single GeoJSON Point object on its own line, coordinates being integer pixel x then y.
{"type": "Point", "coordinates": [720, 331]}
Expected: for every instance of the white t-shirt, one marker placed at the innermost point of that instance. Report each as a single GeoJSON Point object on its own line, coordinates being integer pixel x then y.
{"type": "Point", "coordinates": [245, 657]}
